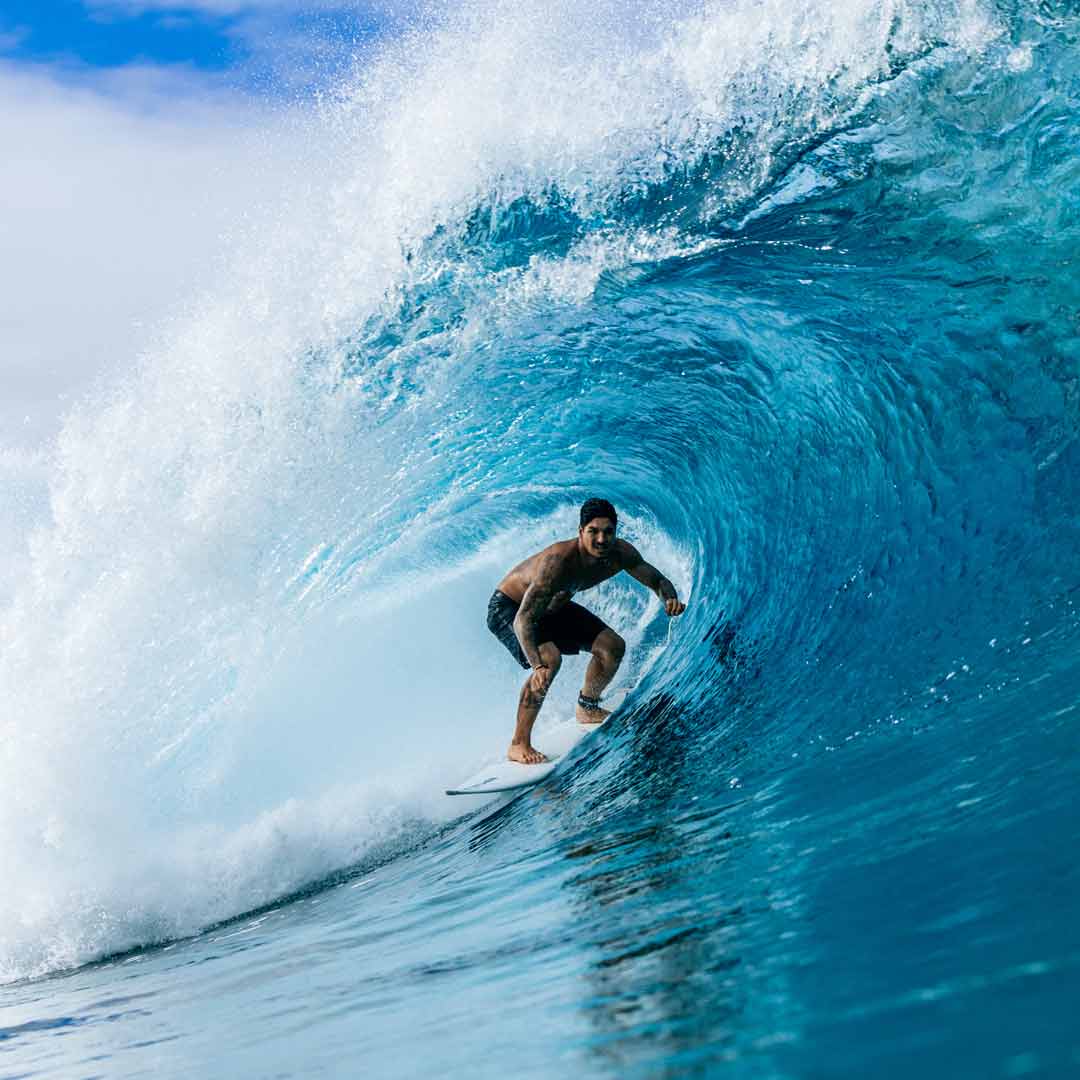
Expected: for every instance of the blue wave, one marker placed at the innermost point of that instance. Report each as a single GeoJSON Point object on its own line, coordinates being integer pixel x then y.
{"type": "Point", "coordinates": [849, 395]}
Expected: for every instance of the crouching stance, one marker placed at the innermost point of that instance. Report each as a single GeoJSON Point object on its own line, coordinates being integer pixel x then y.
{"type": "Point", "coordinates": [532, 614]}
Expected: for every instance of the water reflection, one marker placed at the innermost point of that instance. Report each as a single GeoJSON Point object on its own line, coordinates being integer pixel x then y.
{"type": "Point", "coordinates": [679, 892]}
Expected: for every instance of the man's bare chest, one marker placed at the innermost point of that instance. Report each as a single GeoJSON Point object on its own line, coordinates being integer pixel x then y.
{"type": "Point", "coordinates": [582, 579]}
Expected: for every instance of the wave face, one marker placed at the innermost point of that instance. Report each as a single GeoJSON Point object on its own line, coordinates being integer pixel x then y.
{"type": "Point", "coordinates": [793, 285]}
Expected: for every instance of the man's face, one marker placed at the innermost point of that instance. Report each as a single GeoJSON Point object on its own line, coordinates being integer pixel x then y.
{"type": "Point", "coordinates": [598, 537]}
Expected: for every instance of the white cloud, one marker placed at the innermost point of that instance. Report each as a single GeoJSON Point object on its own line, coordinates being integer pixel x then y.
{"type": "Point", "coordinates": [116, 189]}
{"type": "Point", "coordinates": [118, 183]}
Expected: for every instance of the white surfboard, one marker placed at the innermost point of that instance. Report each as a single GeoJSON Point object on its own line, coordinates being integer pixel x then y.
{"type": "Point", "coordinates": [555, 740]}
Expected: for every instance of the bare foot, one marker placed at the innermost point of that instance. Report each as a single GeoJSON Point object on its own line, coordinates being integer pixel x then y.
{"type": "Point", "coordinates": [525, 754]}
{"type": "Point", "coordinates": [591, 716]}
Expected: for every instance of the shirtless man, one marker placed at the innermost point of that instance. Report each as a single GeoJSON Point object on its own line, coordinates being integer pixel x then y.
{"type": "Point", "coordinates": [532, 614]}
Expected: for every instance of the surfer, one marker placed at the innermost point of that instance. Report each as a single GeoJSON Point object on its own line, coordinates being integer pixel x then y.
{"type": "Point", "coordinates": [532, 614]}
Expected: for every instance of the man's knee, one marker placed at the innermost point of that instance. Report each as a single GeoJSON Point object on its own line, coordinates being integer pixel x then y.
{"type": "Point", "coordinates": [552, 660]}
{"type": "Point", "coordinates": [549, 653]}
{"type": "Point", "coordinates": [609, 648]}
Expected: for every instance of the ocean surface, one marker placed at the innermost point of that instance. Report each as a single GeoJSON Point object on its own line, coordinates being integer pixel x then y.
{"type": "Point", "coordinates": [795, 285]}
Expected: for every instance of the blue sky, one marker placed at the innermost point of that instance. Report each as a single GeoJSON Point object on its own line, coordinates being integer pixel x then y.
{"type": "Point", "coordinates": [265, 47]}
{"type": "Point", "coordinates": [68, 31]}
{"type": "Point", "coordinates": [134, 134]}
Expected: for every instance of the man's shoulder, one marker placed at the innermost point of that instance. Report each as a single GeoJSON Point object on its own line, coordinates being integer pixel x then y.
{"type": "Point", "coordinates": [560, 547]}
{"type": "Point", "coordinates": [559, 552]}
{"type": "Point", "coordinates": [554, 556]}
{"type": "Point", "coordinates": [627, 554]}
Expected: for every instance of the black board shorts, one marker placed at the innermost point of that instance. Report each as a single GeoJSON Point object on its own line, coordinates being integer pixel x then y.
{"type": "Point", "coordinates": [571, 629]}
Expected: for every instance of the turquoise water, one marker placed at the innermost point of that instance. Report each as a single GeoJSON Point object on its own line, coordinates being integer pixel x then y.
{"type": "Point", "coordinates": [795, 287]}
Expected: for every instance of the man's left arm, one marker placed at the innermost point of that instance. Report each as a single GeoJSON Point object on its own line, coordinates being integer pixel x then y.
{"type": "Point", "coordinates": [650, 577]}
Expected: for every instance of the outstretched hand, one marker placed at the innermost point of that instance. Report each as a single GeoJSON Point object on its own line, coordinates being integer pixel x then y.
{"type": "Point", "coordinates": [674, 606]}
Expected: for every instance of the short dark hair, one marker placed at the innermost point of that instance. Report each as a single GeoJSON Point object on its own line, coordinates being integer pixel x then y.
{"type": "Point", "coordinates": [597, 508]}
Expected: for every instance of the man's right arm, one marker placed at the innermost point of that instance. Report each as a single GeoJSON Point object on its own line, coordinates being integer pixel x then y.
{"type": "Point", "coordinates": [533, 605]}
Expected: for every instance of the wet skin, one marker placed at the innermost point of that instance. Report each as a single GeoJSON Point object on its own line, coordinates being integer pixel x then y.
{"type": "Point", "coordinates": [545, 582]}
